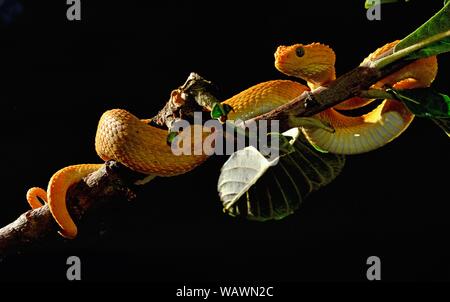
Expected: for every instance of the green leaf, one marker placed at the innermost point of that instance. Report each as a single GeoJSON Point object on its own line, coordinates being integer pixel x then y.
{"type": "Point", "coordinates": [170, 137]}
{"type": "Point", "coordinates": [439, 23]}
{"type": "Point", "coordinates": [444, 124]}
{"type": "Point", "coordinates": [220, 111]}
{"type": "Point", "coordinates": [424, 102]}
{"type": "Point", "coordinates": [274, 192]}
{"type": "Point", "coordinates": [216, 111]}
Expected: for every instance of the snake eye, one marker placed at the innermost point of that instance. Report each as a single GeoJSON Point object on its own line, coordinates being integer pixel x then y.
{"type": "Point", "coordinates": [300, 51]}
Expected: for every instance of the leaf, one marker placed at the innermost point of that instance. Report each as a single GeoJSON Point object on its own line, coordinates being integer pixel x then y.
{"type": "Point", "coordinates": [273, 192]}
{"type": "Point", "coordinates": [170, 137]}
{"type": "Point", "coordinates": [284, 143]}
{"type": "Point", "coordinates": [220, 110]}
{"type": "Point", "coordinates": [439, 23]}
{"type": "Point", "coordinates": [444, 124]}
{"type": "Point", "coordinates": [239, 173]}
{"type": "Point", "coordinates": [424, 102]}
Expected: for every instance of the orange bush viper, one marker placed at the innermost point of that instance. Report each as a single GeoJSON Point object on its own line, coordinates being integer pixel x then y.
{"type": "Point", "coordinates": [124, 138]}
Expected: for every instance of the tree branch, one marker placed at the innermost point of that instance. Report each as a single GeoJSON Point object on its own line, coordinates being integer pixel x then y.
{"type": "Point", "coordinates": [349, 85]}
{"type": "Point", "coordinates": [113, 181]}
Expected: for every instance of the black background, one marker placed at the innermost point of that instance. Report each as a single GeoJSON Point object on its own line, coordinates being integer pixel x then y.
{"type": "Point", "coordinates": [59, 76]}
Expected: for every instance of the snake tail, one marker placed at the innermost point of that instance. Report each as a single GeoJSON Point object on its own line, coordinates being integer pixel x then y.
{"type": "Point", "coordinates": [55, 195]}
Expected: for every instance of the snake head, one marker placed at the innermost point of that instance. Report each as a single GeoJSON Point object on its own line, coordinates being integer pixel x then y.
{"type": "Point", "coordinates": [313, 62]}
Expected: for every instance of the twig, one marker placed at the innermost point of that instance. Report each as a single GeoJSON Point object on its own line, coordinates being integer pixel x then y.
{"type": "Point", "coordinates": [376, 94]}
{"type": "Point", "coordinates": [409, 50]}
{"type": "Point", "coordinates": [346, 86]}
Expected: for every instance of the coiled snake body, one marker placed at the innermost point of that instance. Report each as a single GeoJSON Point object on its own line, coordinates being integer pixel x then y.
{"type": "Point", "coordinates": [123, 137]}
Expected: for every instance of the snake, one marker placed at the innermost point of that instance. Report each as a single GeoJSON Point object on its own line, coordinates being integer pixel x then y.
{"type": "Point", "coordinates": [123, 137]}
